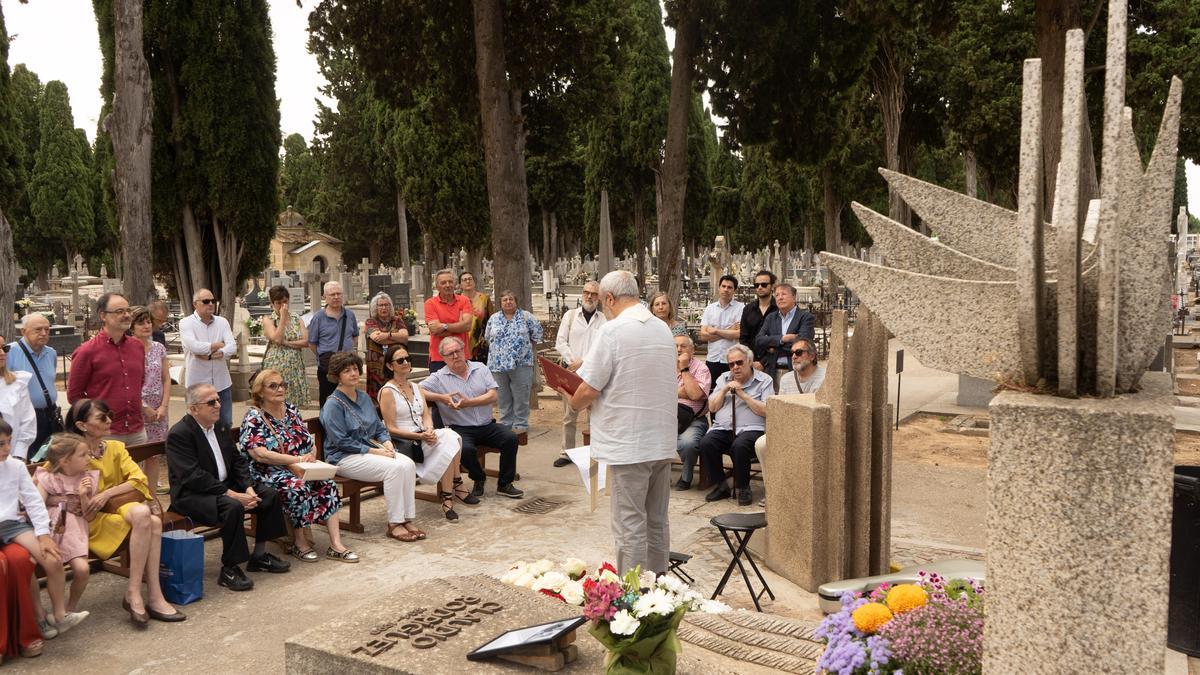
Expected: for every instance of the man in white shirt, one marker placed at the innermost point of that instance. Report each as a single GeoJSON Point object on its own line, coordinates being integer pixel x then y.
{"type": "Point", "coordinates": [575, 334]}
{"type": "Point", "coordinates": [629, 381]}
{"type": "Point", "coordinates": [721, 326]}
{"type": "Point", "coordinates": [207, 345]}
{"type": "Point", "coordinates": [739, 406]}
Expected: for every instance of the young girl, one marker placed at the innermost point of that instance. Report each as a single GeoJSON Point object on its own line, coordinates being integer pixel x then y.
{"type": "Point", "coordinates": [66, 484]}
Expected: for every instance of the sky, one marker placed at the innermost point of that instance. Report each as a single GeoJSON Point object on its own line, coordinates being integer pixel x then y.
{"type": "Point", "coordinates": [57, 39]}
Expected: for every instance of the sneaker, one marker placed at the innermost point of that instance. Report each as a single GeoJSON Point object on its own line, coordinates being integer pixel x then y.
{"type": "Point", "coordinates": [48, 630]}
{"type": "Point", "coordinates": [234, 579]}
{"type": "Point", "coordinates": [561, 461]}
{"type": "Point", "coordinates": [763, 502]}
{"type": "Point", "coordinates": [69, 621]}
{"type": "Point", "coordinates": [267, 562]}
{"type": "Point", "coordinates": [511, 491]}
{"type": "Point", "coordinates": [477, 489]}
{"type": "Point", "coordinates": [682, 485]}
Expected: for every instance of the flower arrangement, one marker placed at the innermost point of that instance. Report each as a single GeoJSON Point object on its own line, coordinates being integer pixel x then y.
{"type": "Point", "coordinates": [932, 626]}
{"type": "Point", "coordinates": [635, 616]}
{"type": "Point", "coordinates": [254, 327]}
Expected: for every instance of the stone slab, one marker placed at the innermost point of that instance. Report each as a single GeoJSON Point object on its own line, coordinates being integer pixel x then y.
{"type": "Point", "coordinates": [1068, 215]}
{"type": "Point", "coordinates": [430, 627]}
{"type": "Point", "coordinates": [974, 392]}
{"type": "Point", "coordinates": [907, 249]}
{"type": "Point", "coordinates": [1031, 235]}
{"type": "Point", "coordinates": [1079, 529]}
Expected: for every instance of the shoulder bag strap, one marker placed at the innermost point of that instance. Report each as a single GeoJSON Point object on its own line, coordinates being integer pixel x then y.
{"type": "Point", "coordinates": [341, 329]}
{"type": "Point", "coordinates": [38, 374]}
{"type": "Point", "coordinates": [797, 377]}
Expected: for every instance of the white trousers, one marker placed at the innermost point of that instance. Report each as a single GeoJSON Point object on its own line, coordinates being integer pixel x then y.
{"type": "Point", "coordinates": [398, 475]}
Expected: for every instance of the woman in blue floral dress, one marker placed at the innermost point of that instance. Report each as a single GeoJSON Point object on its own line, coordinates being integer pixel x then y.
{"type": "Point", "coordinates": [275, 437]}
{"type": "Point", "coordinates": [511, 334]}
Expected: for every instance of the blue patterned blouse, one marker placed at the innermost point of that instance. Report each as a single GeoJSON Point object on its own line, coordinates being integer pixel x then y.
{"type": "Point", "coordinates": [510, 341]}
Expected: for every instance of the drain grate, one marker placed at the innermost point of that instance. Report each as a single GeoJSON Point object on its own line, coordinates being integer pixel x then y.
{"type": "Point", "coordinates": [970, 425]}
{"type": "Point", "coordinates": [538, 506]}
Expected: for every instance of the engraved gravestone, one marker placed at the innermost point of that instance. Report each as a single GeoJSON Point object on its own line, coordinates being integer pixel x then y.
{"type": "Point", "coordinates": [429, 628]}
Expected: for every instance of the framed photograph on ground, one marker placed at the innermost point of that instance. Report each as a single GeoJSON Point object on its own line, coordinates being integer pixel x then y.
{"type": "Point", "coordinates": [522, 638]}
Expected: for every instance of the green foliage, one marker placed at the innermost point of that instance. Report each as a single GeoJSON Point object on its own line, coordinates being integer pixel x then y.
{"type": "Point", "coordinates": [702, 149]}
{"type": "Point", "coordinates": [61, 185]}
{"type": "Point", "coordinates": [299, 176]}
{"type": "Point", "coordinates": [216, 127]}
{"type": "Point", "coordinates": [25, 94]}
{"type": "Point", "coordinates": [1164, 40]}
{"type": "Point", "coordinates": [725, 193]}
{"type": "Point", "coordinates": [1193, 224]}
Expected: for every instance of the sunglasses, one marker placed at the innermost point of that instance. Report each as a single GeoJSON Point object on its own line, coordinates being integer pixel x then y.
{"type": "Point", "coordinates": [798, 353]}
{"type": "Point", "coordinates": [403, 359]}
{"type": "Point", "coordinates": [207, 301]}
{"type": "Point", "coordinates": [277, 386]}
{"type": "Point", "coordinates": [766, 284]}
{"type": "Point", "coordinates": [212, 402]}
{"type": "Point", "coordinates": [103, 417]}
{"type": "Point", "coordinates": [739, 362]}
{"type": "Point", "coordinates": [7, 347]}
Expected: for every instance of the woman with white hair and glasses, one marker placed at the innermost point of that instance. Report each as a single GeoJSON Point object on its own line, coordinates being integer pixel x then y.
{"type": "Point", "coordinates": [384, 328]}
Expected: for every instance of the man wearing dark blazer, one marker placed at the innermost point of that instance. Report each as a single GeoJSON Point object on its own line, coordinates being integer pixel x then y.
{"type": "Point", "coordinates": [211, 484]}
{"type": "Point", "coordinates": [789, 322]}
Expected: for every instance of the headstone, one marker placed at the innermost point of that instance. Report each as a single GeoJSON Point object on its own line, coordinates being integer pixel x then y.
{"type": "Point", "coordinates": [419, 283]}
{"type": "Point", "coordinates": [75, 307]}
{"type": "Point", "coordinates": [78, 266]}
{"type": "Point", "coordinates": [111, 285]}
{"type": "Point", "coordinates": [430, 627]}
{"type": "Point", "coordinates": [377, 283]}
{"type": "Point", "coordinates": [401, 293]}
{"type": "Point", "coordinates": [54, 272]}
{"type": "Point", "coordinates": [103, 271]}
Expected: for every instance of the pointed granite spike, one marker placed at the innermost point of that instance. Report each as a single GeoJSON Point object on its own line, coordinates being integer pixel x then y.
{"type": "Point", "coordinates": [1144, 317]}
{"type": "Point", "coordinates": [1068, 215]}
{"type": "Point", "coordinates": [1031, 256]}
{"type": "Point", "coordinates": [907, 249]}
{"type": "Point", "coordinates": [940, 318]}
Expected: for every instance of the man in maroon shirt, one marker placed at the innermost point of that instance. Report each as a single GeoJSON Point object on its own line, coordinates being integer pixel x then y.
{"type": "Point", "coordinates": [110, 367]}
{"type": "Point", "coordinates": [447, 315]}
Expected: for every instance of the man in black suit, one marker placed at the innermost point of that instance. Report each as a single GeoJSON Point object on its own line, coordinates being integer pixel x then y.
{"type": "Point", "coordinates": [211, 484]}
{"type": "Point", "coordinates": [789, 322]}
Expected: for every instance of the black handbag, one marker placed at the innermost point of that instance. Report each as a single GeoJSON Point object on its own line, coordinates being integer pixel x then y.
{"type": "Point", "coordinates": [409, 448]}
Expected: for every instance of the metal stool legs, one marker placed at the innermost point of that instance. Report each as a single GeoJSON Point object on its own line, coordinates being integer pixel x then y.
{"type": "Point", "coordinates": [743, 539]}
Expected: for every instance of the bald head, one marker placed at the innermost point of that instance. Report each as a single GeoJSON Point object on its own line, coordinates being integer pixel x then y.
{"type": "Point", "coordinates": [36, 331]}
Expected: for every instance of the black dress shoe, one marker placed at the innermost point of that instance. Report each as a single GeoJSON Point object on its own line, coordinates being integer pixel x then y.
{"type": "Point", "coordinates": [717, 494]}
{"type": "Point", "coordinates": [561, 461]}
{"type": "Point", "coordinates": [168, 618]}
{"type": "Point", "coordinates": [511, 491]}
{"type": "Point", "coordinates": [268, 563]}
{"type": "Point", "coordinates": [682, 485]}
{"type": "Point", "coordinates": [477, 489]}
{"type": "Point", "coordinates": [745, 497]}
{"type": "Point", "coordinates": [234, 579]}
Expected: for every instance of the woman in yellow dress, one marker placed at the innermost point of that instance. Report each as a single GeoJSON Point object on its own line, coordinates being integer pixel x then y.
{"type": "Point", "coordinates": [481, 309]}
{"type": "Point", "coordinates": [119, 476]}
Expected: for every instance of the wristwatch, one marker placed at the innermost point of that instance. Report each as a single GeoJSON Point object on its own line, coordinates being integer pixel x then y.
{"type": "Point", "coordinates": [683, 370]}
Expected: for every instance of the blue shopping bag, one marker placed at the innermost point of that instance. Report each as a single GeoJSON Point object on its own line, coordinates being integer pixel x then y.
{"type": "Point", "coordinates": [181, 567]}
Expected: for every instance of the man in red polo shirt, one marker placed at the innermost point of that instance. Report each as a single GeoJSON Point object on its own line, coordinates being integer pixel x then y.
{"type": "Point", "coordinates": [448, 315]}
{"type": "Point", "coordinates": [110, 367]}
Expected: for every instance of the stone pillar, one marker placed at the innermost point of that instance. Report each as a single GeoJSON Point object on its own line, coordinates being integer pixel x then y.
{"type": "Point", "coordinates": [1079, 532]}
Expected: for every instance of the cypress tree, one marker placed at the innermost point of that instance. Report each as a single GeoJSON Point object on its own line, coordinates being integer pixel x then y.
{"type": "Point", "coordinates": [60, 189]}
{"type": "Point", "coordinates": [12, 177]}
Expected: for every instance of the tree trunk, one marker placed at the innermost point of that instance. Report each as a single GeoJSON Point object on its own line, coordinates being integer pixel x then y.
{"type": "Point", "coordinates": [1054, 18]}
{"type": "Point", "coordinates": [971, 171]}
{"type": "Point", "coordinates": [640, 241]}
{"type": "Point", "coordinates": [402, 219]}
{"type": "Point", "coordinates": [229, 254]}
{"type": "Point", "coordinates": [474, 264]}
{"type": "Point", "coordinates": [555, 244]}
{"type": "Point", "coordinates": [674, 166]}
{"type": "Point", "coordinates": [503, 150]}
{"type": "Point", "coordinates": [183, 279]}
{"type": "Point", "coordinates": [129, 124]}
{"type": "Point", "coordinates": [887, 81]}
{"type": "Point", "coordinates": [832, 210]}
{"type": "Point", "coordinates": [193, 240]}
{"type": "Point", "coordinates": [8, 280]}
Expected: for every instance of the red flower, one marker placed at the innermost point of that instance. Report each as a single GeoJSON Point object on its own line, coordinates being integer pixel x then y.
{"type": "Point", "coordinates": [553, 594]}
{"type": "Point", "coordinates": [609, 567]}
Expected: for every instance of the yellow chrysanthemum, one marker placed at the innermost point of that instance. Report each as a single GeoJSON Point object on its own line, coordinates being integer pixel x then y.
{"type": "Point", "coordinates": [871, 617]}
{"type": "Point", "coordinates": [904, 597]}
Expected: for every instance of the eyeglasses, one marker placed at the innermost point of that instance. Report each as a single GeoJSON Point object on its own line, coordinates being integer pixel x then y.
{"type": "Point", "coordinates": [122, 311]}
{"type": "Point", "coordinates": [277, 386]}
{"type": "Point", "coordinates": [762, 284]}
{"type": "Point", "coordinates": [101, 417]}
{"type": "Point", "coordinates": [456, 352]}
{"type": "Point", "coordinates": [206, 301]}
{"type": "Point", "coordinates": [739, 362]}
{"type": "Point", "coordinates": [212, 402]}
{"type": "Point", "coordinates": [401, 359]}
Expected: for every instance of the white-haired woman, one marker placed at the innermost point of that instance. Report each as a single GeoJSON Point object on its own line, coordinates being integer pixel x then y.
{"type": "Point", "coordinates": [16, 408]}
{"type": "Point", "coordinates": [384, 328]}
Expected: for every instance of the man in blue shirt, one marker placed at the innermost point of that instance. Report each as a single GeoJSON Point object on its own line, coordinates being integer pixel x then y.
{"type": "Point", "coordinates": [333, 329]}
{"type": "Point", "coordinates": [33, 354]}
{"type": "Point", "coordinates": [465, 391]}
